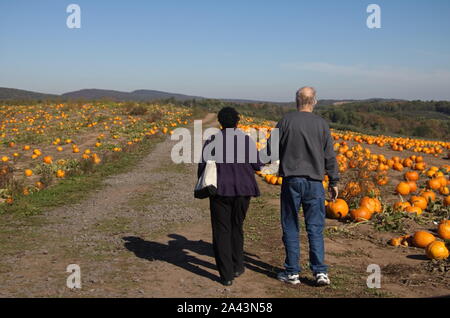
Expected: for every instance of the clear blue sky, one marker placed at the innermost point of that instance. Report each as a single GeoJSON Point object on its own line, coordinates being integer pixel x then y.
{"type": "Point", "coordinates": [255, 49]}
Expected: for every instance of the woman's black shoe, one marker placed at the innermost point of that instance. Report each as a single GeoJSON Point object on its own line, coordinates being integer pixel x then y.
{"type": "Point", "coordinates": [239, 273]}
{"type": "Point", "coordinates": [226, 282]}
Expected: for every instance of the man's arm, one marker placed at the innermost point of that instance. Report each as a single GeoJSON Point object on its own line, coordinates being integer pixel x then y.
{"type": "Point", "coordinates": [331, 166]}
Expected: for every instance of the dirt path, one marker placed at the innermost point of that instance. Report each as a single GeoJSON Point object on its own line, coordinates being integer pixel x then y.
{"type": "Point", "coordinates": [144, 235]}
{"type": "Point", "coordinates": [118, 238]}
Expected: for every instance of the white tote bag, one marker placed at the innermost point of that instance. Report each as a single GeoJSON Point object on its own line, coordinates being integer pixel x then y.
{"type": "Point", "coordinates": [207, 183]}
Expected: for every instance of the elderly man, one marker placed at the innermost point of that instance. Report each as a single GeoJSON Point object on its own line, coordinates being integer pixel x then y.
{"type": "Point", "coordinates": [306, 154]}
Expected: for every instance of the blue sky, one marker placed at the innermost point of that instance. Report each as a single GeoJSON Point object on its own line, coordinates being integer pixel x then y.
{"type": "Point", "coordinates": [255, 49]}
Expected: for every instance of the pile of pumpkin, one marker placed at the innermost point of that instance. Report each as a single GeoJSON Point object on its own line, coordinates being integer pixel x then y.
{"type": "Point", "coordinates": [399, 144]}
{"type": "Point", "coordinates": [270, 178]}
{"type": "Point", "coordinates": [368, 206]}
{"type": "Point", "coordinates": [260, 133]}
{"type": "Point", "coordinates": [418, 203]}
{"type": "Point", "coordinates": [360, 157]}
{"type": "Point", "coordinates": [434, 248]}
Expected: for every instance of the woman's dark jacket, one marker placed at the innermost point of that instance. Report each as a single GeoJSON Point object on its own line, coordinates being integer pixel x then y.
{"type": "Point", "coordinates": [234, 177]}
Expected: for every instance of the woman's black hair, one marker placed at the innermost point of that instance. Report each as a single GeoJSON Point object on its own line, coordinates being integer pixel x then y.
{"type": "Point", "coordinates": [228, 117]}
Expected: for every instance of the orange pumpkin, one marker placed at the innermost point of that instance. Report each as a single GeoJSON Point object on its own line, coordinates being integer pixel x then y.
{"type": "Point", "coordinates": [406, 240]}
{"type": "Point", "coordinates": [412, 186]}
{"type": "Point", "coordinates": [396, 241]}
{"type": "Point", "coordinates": [433, 184]}
{"type": "Point", "coordinates": [414, 209]}
{"type": "Point", "coordinates": [443, 180]}
{"type": "Point", "coordinates": [273, 180]}
{"type": "Point", "coordinates": [444, 230]}
{"type": "Point", "coordinates": [444, 191]}
{"type": "Point", "coordinates": [60, 173]}
{"type": "Point", "coordinates": [421, 202]}
{"type": "Point", "coordinates": [369, 204]}
{"type": "Point", "coordinates": [447, 201]}
{"type": "Point", "coordinates": [40, 185]}
{"type": "Point", "coordinates": [390, 163]}
{"type": "Point", "coordinates": [420, 166]}
{"type": "Point", "coordinates": [378, 206]}
{"type": "Point", "coordinates": [337, 209]}
{"type": "Point", "coordinates": [403, 188]}
{"type": "Point", "coordinates": [361, 214]}
{"type": "Point", "coordinates": [429, 195]}
{"type": "Point", "coordinates": [28, 172]}
{"type": "Point", "coordinates": [401, 206]}
{"type": "Point", "coordinates": [280, 180]}
{"type": "Point", "coordinates": [402, 240]}
{"type": "Point", "coordinates": [437, 250]}
{"type": "Point", "coordinates": [48, 159]}
{"type": "Point", "coordinates": [422, 239]}
{"type": "Point", "coordinates": [408, 163]}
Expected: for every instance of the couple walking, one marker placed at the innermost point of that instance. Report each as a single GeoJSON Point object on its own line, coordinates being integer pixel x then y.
{"type": "Point", "coordinates": [306, 154]}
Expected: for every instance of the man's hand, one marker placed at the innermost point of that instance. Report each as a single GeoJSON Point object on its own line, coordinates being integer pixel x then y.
{"type": "Point", "coordinates": [334, 192]}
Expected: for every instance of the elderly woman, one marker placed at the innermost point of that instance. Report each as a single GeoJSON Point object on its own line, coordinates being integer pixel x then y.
{"type": "Point", "coordinates": [236, 184]}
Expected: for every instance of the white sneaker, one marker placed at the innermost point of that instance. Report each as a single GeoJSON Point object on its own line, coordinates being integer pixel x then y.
{"type": "Point", "coordinates": [322, 279]}
{"type": "Point", "coordinates": [287, 278]}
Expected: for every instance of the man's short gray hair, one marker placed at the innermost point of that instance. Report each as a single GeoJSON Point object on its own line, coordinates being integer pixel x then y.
{"type": "Point", "coordinates": [306, 96]}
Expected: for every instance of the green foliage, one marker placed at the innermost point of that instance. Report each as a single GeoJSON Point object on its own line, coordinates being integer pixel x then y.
{"type": "Point", "coordinates": [423, 119]}
{"type": "Point", "coordinates": [389, 221]}
{"type": "Point", "coordinates": [45, 172]}
{"type": "Point", "coordinates": [416, 118]}
{"type": "Point", "coordinates": [138, 110]}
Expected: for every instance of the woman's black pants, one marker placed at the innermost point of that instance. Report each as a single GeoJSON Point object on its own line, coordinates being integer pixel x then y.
{"type": "Point", "coordinates": [227, 220]}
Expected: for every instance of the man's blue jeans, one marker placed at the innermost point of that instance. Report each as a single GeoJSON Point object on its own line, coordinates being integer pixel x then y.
{"type": "Point", "coordinates": [296, 191]}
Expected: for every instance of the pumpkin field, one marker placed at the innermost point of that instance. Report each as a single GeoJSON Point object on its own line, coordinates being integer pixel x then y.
{"type": "Point", "coordinates": [43, 144]}
{"type": "Point", "coordinates": [384, 190]}
{"type": "Point", "coordinates": [393, 209]}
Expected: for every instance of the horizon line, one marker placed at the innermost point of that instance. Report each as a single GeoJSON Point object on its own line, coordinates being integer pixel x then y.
{"type": "Point", "coordinates": [217, 98]}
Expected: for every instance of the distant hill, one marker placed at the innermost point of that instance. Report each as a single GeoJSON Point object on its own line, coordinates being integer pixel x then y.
{"type": "Point", "coordinates": [19, 94]}
{"type": "Point", "coordinates": [93, 94]}
{"type": "Point", "coordinates": [145, 94]}
{"type": "Point", "coordinates": [138, 95]}
{"type": "Point", "coordinates": [8, 94]}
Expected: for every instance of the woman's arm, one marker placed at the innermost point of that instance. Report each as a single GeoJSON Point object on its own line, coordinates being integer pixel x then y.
{"type": "Point", "coordinates": [251, 148]}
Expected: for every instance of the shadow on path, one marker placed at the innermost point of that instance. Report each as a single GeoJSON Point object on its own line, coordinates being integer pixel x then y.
{"type": "Point", "coordinates": [176, 252]}
{"type": "Point", "coordinates": [418, 257]}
